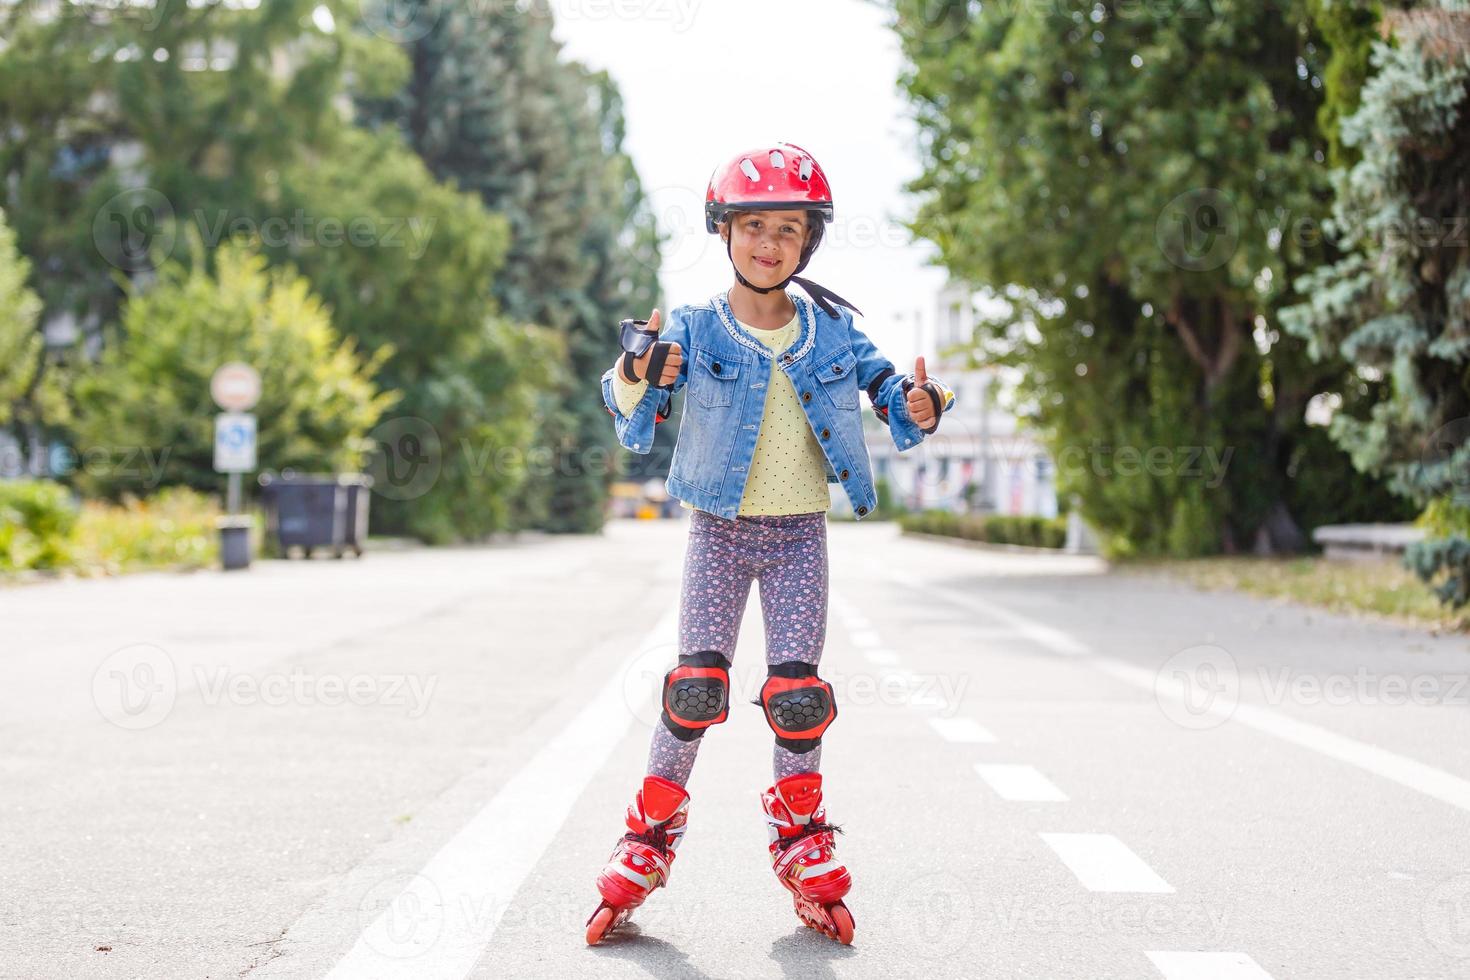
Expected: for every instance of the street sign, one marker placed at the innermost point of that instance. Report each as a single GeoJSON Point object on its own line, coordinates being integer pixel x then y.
{"type": "Point", "coordinates": [235, 387]}
{"type": "Point", "coordinates": [234, 442]}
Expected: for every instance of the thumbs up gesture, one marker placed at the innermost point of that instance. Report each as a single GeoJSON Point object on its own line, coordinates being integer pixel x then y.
{"type": "Point", "coordinates": [665, 357]}
{"type": "Point", "coordinates": [920, 402]}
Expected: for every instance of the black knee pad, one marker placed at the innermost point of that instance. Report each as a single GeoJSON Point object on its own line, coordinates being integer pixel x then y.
{"type": "Point", "coordinates": [798, 704]}
{"type": "Point", "coordinates": [696, 694]}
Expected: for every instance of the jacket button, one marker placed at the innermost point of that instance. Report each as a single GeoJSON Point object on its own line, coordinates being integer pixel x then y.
{"type": "Point", "coordinates": [806, 396]}
{"type": "Point", "coordinates": [844, 474]}
{"type": "Point", "coordinates": [862, 510]}
{"type": "Point", "coordinates": [825, 433]}
{"type": "Point", "coordinates": [715, 367]}
{"type": "Point", "coordinates": [837, 369]}
{"type": "Point", "coordinates": [787, 359]}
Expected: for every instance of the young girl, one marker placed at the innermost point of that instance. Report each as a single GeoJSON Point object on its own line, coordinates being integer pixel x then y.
{"type": "Point", "coordinates": [771, 418]}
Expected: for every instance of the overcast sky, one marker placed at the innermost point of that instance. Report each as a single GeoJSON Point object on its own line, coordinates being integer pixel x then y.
{"type": "Point", "coordinates": [705, 79]}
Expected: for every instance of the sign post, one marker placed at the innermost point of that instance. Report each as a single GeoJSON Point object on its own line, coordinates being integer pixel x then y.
{"type": "Point", "coordinates": [235, 388]}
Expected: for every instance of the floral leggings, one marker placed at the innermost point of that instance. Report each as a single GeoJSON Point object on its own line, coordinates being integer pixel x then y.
{"type": "Point", "coordinates": [787, 553]}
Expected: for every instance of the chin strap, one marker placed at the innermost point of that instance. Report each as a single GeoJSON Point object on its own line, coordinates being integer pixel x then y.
{"type": "Point", "coordinates": [820, 295]}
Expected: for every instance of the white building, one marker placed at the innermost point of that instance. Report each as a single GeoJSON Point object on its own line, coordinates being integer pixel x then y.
{"type": "Point", "coordinates": [981, 460]}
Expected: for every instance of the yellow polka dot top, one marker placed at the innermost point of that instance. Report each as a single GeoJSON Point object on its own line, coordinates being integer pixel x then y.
{"type": "Point", "coordinates": [788, 472]}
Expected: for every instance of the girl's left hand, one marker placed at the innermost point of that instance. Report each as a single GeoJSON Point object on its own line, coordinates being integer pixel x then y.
{"type": "Point", "coordinates": [921, 406]}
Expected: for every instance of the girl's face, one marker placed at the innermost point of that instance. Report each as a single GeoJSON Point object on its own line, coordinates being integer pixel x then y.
{"type": "Point", "coordinates": [766, 245]}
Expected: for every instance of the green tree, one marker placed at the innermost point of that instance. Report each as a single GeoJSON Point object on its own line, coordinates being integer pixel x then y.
{"type": "Point", "coordinates": [417, 276]}
{"type": "Point", "coordinates": [1397, 304]}
{"type": "Point", "coordinates": [491, 106]}
{"type": "Point", "coordinates": [145, 416]}
{"type": "Point", "coordinates": [1145, 180]}
{"type": "Point", "coordinates": [21, 349]}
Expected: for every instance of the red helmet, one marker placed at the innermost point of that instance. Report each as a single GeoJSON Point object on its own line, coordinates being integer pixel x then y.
{"type": "Point", "coordinates": [769, 178]}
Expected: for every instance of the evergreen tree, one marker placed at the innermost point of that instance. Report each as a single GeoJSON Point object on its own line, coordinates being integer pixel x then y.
{"type": "Point", "coordinates": [491, 106]}
{"type": "Point", "coordinates": [1397, 304]}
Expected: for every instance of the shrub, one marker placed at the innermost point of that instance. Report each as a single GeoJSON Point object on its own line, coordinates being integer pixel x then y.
{"type": "Point", "coordinates": [37, 521]}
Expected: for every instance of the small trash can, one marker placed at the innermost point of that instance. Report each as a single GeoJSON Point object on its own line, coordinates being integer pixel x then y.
{"type": "Point", "coordinates": [234, 540]}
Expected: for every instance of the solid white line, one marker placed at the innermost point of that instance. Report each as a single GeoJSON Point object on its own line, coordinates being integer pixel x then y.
{"type": "Point", "coordinates": [476, 870]}
{"type": "Point", "coordinates": [1024, 784]}
{"type": "Point", "coordinates": [1105, 864]}
{"type": "Point", "coordinates": [1400, 769]}
{"type": "Point", "coordinates": [1390, 765]}
{"type": "Point", "coordinates": [1207, 966]}
{"type": "Point", "coordinates": [962, 730]}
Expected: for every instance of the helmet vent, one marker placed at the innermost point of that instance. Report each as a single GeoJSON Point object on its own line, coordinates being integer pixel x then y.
{"type": "Point", "coordinates": [777, 160]}
{"type": "Point", "coordinates": [806, 168]}
{"type": "Point", "coordinates": [748, 169]}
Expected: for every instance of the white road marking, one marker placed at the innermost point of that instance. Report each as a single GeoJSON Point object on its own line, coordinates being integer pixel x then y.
{"type": "Point", "coordinates": [1400, 769]}
{"type": "Point", "coordinates": [1370, 758]}
{"type": "Point", "coordinates": [865, 638]}
{"type": "Point", "coordinates": [856, 623]}
{"type": "Point", "coordinates": [879, 656]}
{"type": "Point", "coordinates": [1024, 784]}
{"type": "Point", "coordinates": [1105, 864]}
{"type": "Point", "coordinates": [1207, 966]}
{"type": "Point", "coordinates": [962, 730]}
{"type": "Point", "coordinates": [475, 870]}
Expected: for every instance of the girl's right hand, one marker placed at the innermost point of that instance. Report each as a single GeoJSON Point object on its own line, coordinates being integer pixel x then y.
{"type": "Point", "coordinates": [672, 363]}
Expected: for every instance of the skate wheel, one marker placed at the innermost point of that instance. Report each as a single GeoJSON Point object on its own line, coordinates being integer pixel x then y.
{"type": "Point", "coordinates": [600, 924]}
{"type": "Point", "coordinates": [842, 920]}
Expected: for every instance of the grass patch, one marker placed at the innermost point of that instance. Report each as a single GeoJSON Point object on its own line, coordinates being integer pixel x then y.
{"type": "Point", "coordinates": [1380, 587]}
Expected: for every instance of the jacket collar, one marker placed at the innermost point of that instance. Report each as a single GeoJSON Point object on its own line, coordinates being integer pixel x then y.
{"type": "Point", "coordinates": [805, 310]}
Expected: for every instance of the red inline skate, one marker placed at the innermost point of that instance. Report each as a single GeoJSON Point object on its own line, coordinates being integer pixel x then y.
{"type": "Point", "coordinates": [803, 854]}
{"type": "Point", "coordinates": [640, 861]}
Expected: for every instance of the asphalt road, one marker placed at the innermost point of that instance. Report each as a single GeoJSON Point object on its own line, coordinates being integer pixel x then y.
{"type": "Point", "coordinates": [414, 766]}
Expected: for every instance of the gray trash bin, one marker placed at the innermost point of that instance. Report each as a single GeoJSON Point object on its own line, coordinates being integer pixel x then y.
{"type": "Point", "coordinates": [304, 510]}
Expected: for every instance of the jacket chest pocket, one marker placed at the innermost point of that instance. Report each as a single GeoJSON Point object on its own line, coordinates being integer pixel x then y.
{"type": "Point", "coordinates": [712, 380]}
{"type": "Point", "coordinates": [838, 375]}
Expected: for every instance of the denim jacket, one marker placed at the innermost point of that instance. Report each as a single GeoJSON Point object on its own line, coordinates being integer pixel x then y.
{"type": "Point", "coordinates": [728, 372]}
